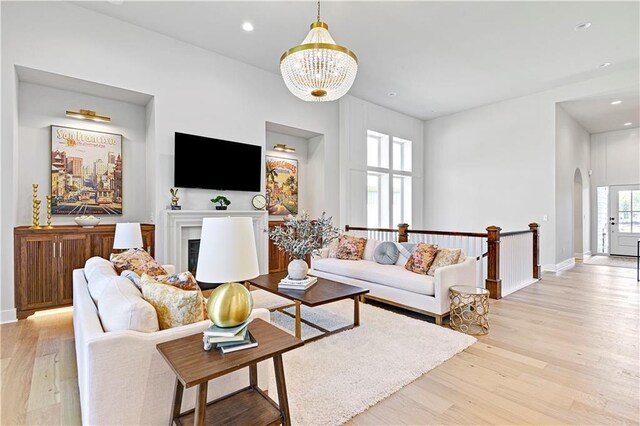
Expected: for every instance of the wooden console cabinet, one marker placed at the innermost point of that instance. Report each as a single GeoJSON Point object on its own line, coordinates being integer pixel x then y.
{"type": "Point", "coordinates": [278, 259]}
{"type": "Point", "coordinates": [45, 260]}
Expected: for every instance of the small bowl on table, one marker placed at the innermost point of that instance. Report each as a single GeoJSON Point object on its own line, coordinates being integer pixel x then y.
{"type": "Point", "coordinates": [87, 222]}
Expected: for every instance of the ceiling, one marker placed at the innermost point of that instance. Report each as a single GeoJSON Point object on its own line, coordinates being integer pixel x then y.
{"type": "Point", "coordinates": [597, 115]}
{"type": "Point", "coordinates": [439, 57]}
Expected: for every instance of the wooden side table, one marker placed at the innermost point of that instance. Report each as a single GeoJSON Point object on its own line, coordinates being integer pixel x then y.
{"type": "Point", "coordinates": [469, 309]}
{"type": "Point", "coordinates": [194, 366]}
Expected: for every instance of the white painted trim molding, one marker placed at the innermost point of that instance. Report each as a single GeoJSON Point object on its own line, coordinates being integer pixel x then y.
{"type": "Point", "coordinates": [559, 267]}
{"type": "Point", "coordinates": [182, 225]}
{"type": "Point", "coordinates": [8, 316]}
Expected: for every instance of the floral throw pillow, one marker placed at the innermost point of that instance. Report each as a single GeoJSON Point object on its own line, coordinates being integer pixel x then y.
{"type": "Point", "coordinates": [421, 258]}
{"type": "Point", "coordinates": [183, 281]}
{"type": "Point", "coordinates": [445, 257]}
{"type": "Point", "coordinates": [350, 248]}
{"type": "Point", "coordinates": [138, 261]}
{"type": "Point", "coordinates": [175, 307]}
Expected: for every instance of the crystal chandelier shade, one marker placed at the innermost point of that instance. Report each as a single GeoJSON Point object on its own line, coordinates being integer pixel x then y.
{"type": "Point", "coordinates": [319, 70]}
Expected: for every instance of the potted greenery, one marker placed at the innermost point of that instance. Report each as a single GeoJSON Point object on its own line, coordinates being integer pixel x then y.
{"type": "Point", "coordinates": [299, 237]}
{"type": "Point", "coordinates": [222, 201]}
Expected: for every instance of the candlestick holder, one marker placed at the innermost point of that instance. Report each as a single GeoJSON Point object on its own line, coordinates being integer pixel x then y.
{"type": "Point", "coordinates": [36, 208]}
{"type": "Point", "coordinates": [49, 201]}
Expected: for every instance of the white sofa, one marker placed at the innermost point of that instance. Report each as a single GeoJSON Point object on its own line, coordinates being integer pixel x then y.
{"type": "Point", "coordinates": [121, 376]}
{"type": "Point", "coordinates": [395, 285]}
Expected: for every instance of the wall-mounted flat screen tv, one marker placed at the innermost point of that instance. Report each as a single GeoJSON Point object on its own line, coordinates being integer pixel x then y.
{"type": "Point", "coordinates": [209, 163]}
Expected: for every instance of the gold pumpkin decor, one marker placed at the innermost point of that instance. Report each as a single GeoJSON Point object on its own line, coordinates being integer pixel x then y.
{"type": "Point", "coordinates": [229, 305]}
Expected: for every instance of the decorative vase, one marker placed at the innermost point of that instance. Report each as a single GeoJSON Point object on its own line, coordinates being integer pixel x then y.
{"type": "Point", "coordinates": [221, 207]}
{"type": "Point", "coordinates": [229, 305]}
{"type": "Point", "coordinates": [298, 269]}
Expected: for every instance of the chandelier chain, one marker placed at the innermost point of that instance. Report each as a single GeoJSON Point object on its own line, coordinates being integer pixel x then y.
{"type": "Point", "coordinates": [318, 10]}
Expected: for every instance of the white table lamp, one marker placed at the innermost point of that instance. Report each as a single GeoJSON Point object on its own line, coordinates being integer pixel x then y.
{"type": "Point", "coordinates": [128, 235]}
{"type": "Point", "coordinates": [227, 250]}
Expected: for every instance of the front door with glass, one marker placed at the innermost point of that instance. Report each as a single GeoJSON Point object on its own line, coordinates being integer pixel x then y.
{"type": "Point", "coordinates": [624, 219]}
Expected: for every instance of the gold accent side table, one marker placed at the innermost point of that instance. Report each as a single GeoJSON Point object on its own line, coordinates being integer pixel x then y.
{"type": "Point", "coordinates": [469, 309]}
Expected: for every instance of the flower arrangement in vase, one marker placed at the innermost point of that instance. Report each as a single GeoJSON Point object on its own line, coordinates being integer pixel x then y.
{"type": "Point", "coordinates": [301, 236]}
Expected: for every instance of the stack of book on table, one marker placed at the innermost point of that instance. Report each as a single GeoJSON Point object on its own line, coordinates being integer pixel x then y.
{"type": "Point", "coordinates": [229, 339]}
{"type": "Point", "coordinates": [304, 284]}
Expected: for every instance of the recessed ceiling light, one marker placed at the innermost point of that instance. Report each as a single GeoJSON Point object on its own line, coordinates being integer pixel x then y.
{"type": "Point", "coordinates": [247, 26]}
{"type": "Point", "coordinates": [628, 124]}
{"type": "Point", "coordinates": [604, 64]}
{"type": "Point", "coordinates": [582, 26]}
{"type": "Point", "coordinates": [616, 102]}
{"type": "Point", "coordinates": [392, 94]}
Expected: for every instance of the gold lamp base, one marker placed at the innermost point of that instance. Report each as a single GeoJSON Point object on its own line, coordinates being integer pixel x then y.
{"type": "Point", "coordinates": [229, 305]}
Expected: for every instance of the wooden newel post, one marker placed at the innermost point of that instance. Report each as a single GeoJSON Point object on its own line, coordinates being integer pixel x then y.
{"type": "Point", "coordinates": [536, 250]}
{"type": "Point", "coordinates": [403, 234]}
{"type": "Point", "coordinates": [493, 282]}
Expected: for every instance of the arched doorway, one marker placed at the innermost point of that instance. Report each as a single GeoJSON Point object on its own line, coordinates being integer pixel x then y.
{"type": "Point", "coordinates": [578, 215]}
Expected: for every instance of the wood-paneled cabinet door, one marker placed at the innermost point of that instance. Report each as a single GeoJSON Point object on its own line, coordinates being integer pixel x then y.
{"type": "Point", "coordinates": [102, 245]}
{"type": "Point", "coordinates": [148, 238]}
{"type": "Point", "coordinates": [38, 263]}
{"type": "Point", "coordinates": [73, 251]}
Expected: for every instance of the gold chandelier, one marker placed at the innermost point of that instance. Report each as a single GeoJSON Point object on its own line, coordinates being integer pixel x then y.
{"type": "Point", "coordinates": [319, 69]}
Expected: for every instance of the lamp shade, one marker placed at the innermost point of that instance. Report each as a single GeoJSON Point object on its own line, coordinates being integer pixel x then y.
{"type": "Point", "coordinates": [128, 235]}
{"type": "Point", "coordinates": [227, 250]}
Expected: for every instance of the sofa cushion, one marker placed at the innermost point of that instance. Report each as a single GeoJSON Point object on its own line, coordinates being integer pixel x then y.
{"type": "Point", "coordinates": [98, 266]}
{"type": "Point", "coordinates": [370, 248]}
{"type": "Point", "coordinates": [405, 250]}
{"type": "Point", "coordinates": [388, 275]}
{"type": "Point", "coordinates": [183, 281]}
{"type": "Point", "coordinates": [98, 272]}
{"type": "Point", "coordinates": [122, 307]}
{"type": "Point", "coordinates": [421, 258]}
{"type": "Point", "coordinates": [444, 257]}
{"type": "Point", "coordinates": [138, 261]}
{"type": "Point", "coordinates": [350, 248]}
{"type": "Point", "coordinates": [386, 253]}
{"type": "Point", "coordinates": [173, 306]}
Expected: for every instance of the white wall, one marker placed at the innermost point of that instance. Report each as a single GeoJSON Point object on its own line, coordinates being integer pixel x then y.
{"type": "Point", "coordinates": [356, 117]}
{"type": "Point", "coordinates": [496, 164]}
{"type": "Point", "coordinates": [615, 160]}
{"type": "Point", "coordinates": [572, 152]}
{"type": "Point", "coordinates": [39, 108]}
{"type": "Point", "coordinates": [301, 146]}
{"type": "Point", "coordinates": [194, 90]}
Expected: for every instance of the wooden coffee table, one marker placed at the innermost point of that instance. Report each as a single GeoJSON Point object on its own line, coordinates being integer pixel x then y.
{"type": "Point", "coordinates": [323, 292]}
{"type": "Point", "coordinates": [248, 406]}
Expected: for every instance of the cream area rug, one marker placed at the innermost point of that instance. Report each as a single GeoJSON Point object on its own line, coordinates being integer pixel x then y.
{"type": "Point", "coordinates": [618, 261]}
{"type": "Point", "coordinates": [335, 378]}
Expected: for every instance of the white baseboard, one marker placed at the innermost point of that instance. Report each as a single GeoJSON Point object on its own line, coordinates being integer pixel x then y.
{"type": "Point", "coordinates": [559, 267]}
{"type": "Point", "coordinates": [8, 316]}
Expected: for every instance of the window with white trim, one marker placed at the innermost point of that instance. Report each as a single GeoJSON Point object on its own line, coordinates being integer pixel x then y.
{"type": "Point", "coordinates": [388, 180]}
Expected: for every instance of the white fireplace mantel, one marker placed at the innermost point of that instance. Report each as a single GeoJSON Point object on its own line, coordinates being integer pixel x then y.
{"type": "Point", "coordinates": [180, 226]}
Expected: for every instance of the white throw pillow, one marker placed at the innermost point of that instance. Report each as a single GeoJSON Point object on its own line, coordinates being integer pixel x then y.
{"type": "Point", "coordinates": [369, 249]}
{"type": "Point", "coordinates": [97, 266]}
{"type": "Point", "coordinates": [122, 307]}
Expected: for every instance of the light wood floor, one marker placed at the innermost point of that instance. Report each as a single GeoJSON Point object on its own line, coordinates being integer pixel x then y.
{"type": "Point", "coordinates": [565, 350]}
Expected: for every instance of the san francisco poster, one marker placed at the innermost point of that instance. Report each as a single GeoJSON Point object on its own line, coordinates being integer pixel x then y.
{"type": "Point", "coordinates": [282, 186]}
{"type": "Point", "coordinates": [86, 172]}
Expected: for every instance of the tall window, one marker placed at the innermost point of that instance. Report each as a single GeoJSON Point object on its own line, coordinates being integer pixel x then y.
{"type": "Point", "coordinates": [388, 180]}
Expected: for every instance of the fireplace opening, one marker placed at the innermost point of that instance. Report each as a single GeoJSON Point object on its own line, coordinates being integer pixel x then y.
{"type": "Point", "coordinates": [193, 249]}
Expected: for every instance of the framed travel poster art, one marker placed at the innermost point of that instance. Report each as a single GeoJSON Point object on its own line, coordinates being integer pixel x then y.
{"type": "Point", "coordinates": [282, 186]}
{"type": "Point", "coordinates": [86, 172]}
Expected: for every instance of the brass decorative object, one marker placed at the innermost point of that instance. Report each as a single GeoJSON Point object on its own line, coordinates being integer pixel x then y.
{"type": "Point", "coordinates": [36, 208]}
{"type": "Point", "coordinates": [174, 199]}
{"type": "Point", "coordinates": [49, 200]}
{"type": "Point", "coordinates": [87, 114]}
{"type": "Point", "coordinates": [229, 305]}
{"type": "Point", "coordinates": [469, 310]}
